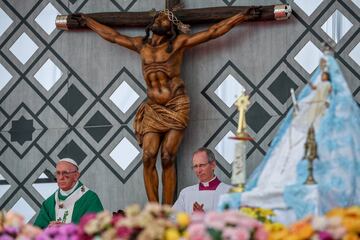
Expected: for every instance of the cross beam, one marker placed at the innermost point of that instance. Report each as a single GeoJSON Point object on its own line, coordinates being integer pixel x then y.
{"type": "Point", "coordinates": [189, 16]}
{"type": "Point", "coordinates": [170, 4]}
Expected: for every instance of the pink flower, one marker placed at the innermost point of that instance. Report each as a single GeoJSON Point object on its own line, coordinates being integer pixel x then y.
{"type": "Point", "coordinates": [324, 235]}
{"type": "Point", "coordinates": [261, 234]}
{"type": "Point", "coordinates": [83, 221]}
{"type": "Point", "coordinates": [51, 231]}
{"type": "Point", "coordinates": [68, 229]}
{"type": "Point", "coordinates": [14, 219]}
{"type": "Point", "coordinates": [13, 231]}
{"type": "Point", "coordinates": [30, 232]}
{"type": "Point", "coordinates": [61, 237]}
{"type": "Point", "coordinates": [86, 218]}
{"type": "Point", "coordinates": [123, 232]}
{"type": "Point", "coordinates": [236, 234]}
{"type": "Point", "coordinates": [337, 233]}
{"type": "Point", "coordinates": [6, 237]}
{"type": "Point", "coordinates": [249, 223]}
{"type": "Point", "coordinates": [197, 217]}
{"type": "Point", "coordinates": [218, 225]}
{"type": "Point", "coordinates": [213, 216]}
{"type": "Point", "coordinates": [116, 218]}
{"type": "Point", "coordinates": [232, 213]}
{"type": "Point", "coordinates": [197, 231]}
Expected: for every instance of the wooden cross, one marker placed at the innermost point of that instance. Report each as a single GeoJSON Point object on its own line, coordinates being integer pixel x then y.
{"type": "Point", "coordinates": [188, 16]}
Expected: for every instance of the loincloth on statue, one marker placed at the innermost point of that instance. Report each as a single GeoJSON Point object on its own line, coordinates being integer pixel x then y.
{"type": "Point", "coordinates": [152, 117]}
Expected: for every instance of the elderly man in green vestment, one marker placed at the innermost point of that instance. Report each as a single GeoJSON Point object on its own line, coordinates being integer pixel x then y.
{"type": "Point", "coordinates": [71, 201]}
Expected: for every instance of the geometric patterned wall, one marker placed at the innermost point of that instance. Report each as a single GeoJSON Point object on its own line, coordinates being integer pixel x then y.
{"type": "Point", "coordinates": [73, 94]}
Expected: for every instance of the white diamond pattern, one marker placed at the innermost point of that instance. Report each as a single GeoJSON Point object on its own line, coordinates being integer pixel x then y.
{"type": "Point", "coordinates": [43, 176]}
{"type": "Point", "coordinates": [23, 208]}
{"type": "Point", "coordinates": [24, 48]}
{"type": "Point", "coordinates": [337, 26]}
{"type": "Point", "coordinates": [45, 189]}
{"type": "Point", "coordinates": [124, 153]}
{"type": "Point", "coordinates": [355, 54]}
{"type": "Point", "coordinates": [226, 147]}
{"type": "Point", "coordinates": [124, 97]}
{"type": "Point", "coordinates": [308, 6]}
{"type": "Point", "coordinates": [229, 90]}
{"type": "Point", "coordinates": [48, 74]}
{"type": "Point", "coordinates": [46, 17]}
{"type": "Point", "coordinates": [357, 2]}
{"type": "Point", "coordinates": [3, 188]}
{"type": "Point", "coordinates": [308, 57]}
{"type": "Point", "coordinates": [5, 22]}
{"type": "Point", "coordinates": [5, 76]}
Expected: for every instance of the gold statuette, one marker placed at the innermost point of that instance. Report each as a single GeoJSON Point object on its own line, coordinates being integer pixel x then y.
{"type": "Point", "coordinates": [242, 104]}
{"type": "Point", "coordinates": [310, 155]}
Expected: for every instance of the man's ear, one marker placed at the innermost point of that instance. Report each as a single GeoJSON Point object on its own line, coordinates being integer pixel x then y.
{"type": "Point", "coordinates": [77, 175]}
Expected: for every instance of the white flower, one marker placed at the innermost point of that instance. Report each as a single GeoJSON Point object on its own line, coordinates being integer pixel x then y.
{"type": "Point", "coordinates": [319, 223]}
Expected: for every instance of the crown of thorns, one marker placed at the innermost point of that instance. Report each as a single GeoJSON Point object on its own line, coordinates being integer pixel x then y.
{"type": "Point", "coordinates": [184, 28]}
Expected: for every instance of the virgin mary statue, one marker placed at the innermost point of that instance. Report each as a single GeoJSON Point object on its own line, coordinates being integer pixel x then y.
{"type": "Point", "coordinates": [327, 105]}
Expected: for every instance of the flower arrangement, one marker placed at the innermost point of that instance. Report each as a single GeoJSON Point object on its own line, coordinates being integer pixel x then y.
{"type": "Point", "coordinates": [156, 222]}
{"type": "Point", "coordinates": [64, 231]}
{"type": "Point", "coordinates": [151, 223]}
{"type": "Point", "coordinates": [231, 225]}
{"type": "Point", "coordinates": [12, 226]}
{"type": "Point", "coordinates": [337, 224]}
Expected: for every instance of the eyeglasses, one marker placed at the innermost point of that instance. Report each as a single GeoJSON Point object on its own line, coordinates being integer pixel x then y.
{"type": "Point", "coordinates": [66, 174]}
{"type": "Point", "coordinates": [201, 165]}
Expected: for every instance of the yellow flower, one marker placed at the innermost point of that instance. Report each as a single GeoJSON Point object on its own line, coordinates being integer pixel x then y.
{"type": "Point", "coordinates": [104, 219]}
{"type": "Point", "coordinates": [132, 210]}
{"type": "Point", "coordinates": [274, 227]}
{"type": "Point", "coordinates": [351, 236]}
{"type": "Point", "coordinates": [353, 211]}
{"type": "Point", "coordinates": [91, 227]}
{"type": "Point", "coordinates": [277, 231]}
{"type": "Point", "coordinates": [261, 214]}
{"type": "Point", "coordinates": [172, 234]}
{"type": "Point", "coordinates": [302, 229]}
{"type": "Point", "coordinates": [336, 212]}
{"type": "Point", "coordinates": [351, 224]}
{"type": "Point", "coordinates": [185, 235]}
{"type": "Point", "coordinates": [279, 235]}
{"type": "Point", "coordinates": [265, 212]}
{"type": "Point", "coordinates": [109, 234]}
{"type": "Point", "coordinates": [249, 212]}
{"type": "Point", "coordinates": [295, 237]}
{"type": "Point", "coordinates": [182, 219]}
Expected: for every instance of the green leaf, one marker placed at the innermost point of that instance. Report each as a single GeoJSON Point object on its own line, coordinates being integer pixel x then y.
{"type": "Point", "coordinates": [214, 233]}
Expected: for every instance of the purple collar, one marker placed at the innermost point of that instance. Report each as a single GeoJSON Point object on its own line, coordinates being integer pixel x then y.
{"type": "Point", "coordinates": [213, 184]}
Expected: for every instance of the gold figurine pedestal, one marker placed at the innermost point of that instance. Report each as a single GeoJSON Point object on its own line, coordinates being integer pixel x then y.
{"type": "Point", "coordinates": [239, 164]}
{"type": "Point", "coordinates": [237, 188]}
{"type": "Point", "coordinates": [242, 137]}
{"type": "Point", "coordinates": [239, 160]}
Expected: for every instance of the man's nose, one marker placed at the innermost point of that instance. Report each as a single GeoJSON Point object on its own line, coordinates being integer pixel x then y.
{"type": "Point", "coordinates": [61, 176]}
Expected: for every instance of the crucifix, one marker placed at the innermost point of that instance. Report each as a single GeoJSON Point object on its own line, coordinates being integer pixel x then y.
{"type": "Point", "coordinates": [188, 16]}
{"type": "Point", "coordinates": [161, 119]}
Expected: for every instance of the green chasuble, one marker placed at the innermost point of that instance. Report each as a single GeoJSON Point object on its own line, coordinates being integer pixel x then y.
{"type": "Point", "coordinates": [88, 203]}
